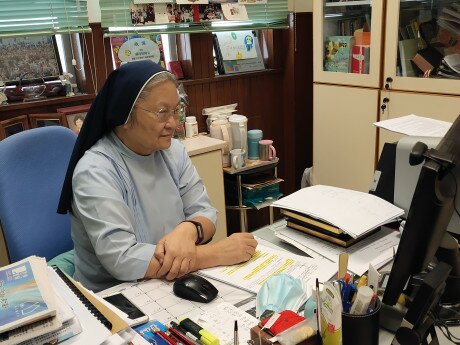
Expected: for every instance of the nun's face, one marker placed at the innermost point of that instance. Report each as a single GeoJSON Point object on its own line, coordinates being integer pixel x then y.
{"type": "Point", "coordinates": [154, 122]}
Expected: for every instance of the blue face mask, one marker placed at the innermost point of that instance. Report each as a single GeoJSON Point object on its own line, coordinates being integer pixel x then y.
{"type": "Point", "coordinates": [281, 292]}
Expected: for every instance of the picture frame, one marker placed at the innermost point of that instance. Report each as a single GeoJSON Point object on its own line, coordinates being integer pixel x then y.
{"type": "Point", "coordinates": [36, 56]}
{"type": "Point", "coordinates": [74, 114]}
{"type": "Point", "coordinates": [12, 126]}
{"type": "Point", "coordinates": [45, 120]}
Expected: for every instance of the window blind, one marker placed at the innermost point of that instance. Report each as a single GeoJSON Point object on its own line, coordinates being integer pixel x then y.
{"type": "Point", "coordinates": [41, 17]}
{"type": "Point", "coordinates": [116, 18]}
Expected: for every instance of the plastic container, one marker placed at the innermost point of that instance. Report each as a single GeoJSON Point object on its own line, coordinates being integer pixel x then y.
{"type": "Point", "coordinates": [191, 127]}
{"type": "Point", "coordinates": [295, 334]}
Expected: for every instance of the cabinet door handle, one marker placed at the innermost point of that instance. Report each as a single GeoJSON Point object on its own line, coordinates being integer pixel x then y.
{"type": "Point", "coordinates": [388, 81]}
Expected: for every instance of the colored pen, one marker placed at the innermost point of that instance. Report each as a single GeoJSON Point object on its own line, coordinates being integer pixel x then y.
{"type": "Point", "coordinates": [182, 337]}
{"type": "Point", "coordinates": [236, 340]}
{"type": "Point", "coordinates": [188, 335]}
{"type": "Point", "coordinates": [203, 335]}
{"type": "Point", "coordinates": [318, 307]}
{"type": "Point", "coordinates": [163, 335]}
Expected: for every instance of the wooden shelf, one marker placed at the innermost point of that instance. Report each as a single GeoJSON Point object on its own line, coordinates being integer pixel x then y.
{"type": "Point", "coordinates": [219, 78]}
{"type": "Point", "coordinates": [62, 101]}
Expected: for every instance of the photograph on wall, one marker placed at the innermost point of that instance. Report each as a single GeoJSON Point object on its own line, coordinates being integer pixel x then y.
{"type": "Point", "coordinates": [173, 13]}
{"type": "Point", "coordinates": [35, 56]}
{"type": "Point", "coordinates": [210, 12]}
{"type": "Point", "coordinates": [142, 14]}
{"type": "Point", "coordinates": [252, 2]}
{"type": "Point", "coordinates": [192, 2]}
{"type": "Point", "coordinates": [137, 47]}
{"type": "Point", "coordinates": [233, 11]}
{"type": "Point", "coordinates": [75, 121]}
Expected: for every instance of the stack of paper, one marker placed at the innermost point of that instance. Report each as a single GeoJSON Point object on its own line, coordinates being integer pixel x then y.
{"type": "Point", "coordinates": [415, 126]}
{"type": "Point", "coordinates": [267, 262]}
{"type": "Point", "coordinates": [356, 213]}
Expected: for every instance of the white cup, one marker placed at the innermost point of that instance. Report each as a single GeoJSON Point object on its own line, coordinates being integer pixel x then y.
{"type": "Point", "coordinates": [237, 158]}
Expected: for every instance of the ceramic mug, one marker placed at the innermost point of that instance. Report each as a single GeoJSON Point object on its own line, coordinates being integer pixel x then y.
{"type": "Point", "coordinates": [267, 151]}
{"type": "Point", "coordinates": [237, 158]}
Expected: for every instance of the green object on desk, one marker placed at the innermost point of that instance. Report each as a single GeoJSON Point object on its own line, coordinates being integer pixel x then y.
{"type": "Point", "coordinates": [65, 262]}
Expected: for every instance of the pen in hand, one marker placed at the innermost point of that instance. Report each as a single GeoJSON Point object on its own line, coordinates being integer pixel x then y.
{"type": "Point", "coordinates": [235, 334]}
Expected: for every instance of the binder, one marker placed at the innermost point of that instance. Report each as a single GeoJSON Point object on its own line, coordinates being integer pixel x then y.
{"type": "Point", "coordinates": [98, 321]}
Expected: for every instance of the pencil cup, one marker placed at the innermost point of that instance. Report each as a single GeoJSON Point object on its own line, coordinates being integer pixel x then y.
{"type": "Point", "coordinates": [361, 329]}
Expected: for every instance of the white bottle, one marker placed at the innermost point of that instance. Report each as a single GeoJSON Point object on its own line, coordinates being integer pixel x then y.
{"type": "Point", "coordinates": [191, 127]}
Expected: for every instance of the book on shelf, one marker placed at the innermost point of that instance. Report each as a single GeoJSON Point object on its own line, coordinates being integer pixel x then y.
{"type": "Point", "coordinates": [362, 38]}
{"type": "Point", "coordinates": [427, 59]}
{"type": "Point", "coordinates": [338, 53]}
{"type": "Point", "coordinates": [407, 51]}
{"type": "Point", "coordinates": [25, 294]}
{"type": "Point", "coordinates": [360, 59]}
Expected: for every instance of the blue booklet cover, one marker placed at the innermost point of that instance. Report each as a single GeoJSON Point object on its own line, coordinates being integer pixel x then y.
{"type": "Point", "coordinates": [20, 299]}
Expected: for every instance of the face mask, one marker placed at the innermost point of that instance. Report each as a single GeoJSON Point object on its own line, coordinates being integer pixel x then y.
{"type": "Point", "coordinates": [281, 292]}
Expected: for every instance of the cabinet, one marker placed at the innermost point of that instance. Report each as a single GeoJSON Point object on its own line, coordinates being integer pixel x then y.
{"type": "Point", "coordinates": [206, 156]}
{"type": "Point", "coordinates": [346, 145]}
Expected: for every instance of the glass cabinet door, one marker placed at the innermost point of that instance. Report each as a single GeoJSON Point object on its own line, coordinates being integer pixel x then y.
{"type": "Point", "coordinates": [347, 41]}
{"type": "Point", "coordinates": [423, 46]}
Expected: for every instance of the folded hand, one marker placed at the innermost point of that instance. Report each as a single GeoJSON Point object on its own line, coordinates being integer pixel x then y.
{"type": "Point", "coordinates": [176, 252]}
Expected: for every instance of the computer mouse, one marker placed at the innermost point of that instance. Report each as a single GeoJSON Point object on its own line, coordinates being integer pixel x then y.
{"type": "Point", "coordinates": [195, 288]}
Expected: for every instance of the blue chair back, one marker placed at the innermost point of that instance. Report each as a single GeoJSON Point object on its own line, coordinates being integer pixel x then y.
{"type": "Point", "coordinates": [33, 164]}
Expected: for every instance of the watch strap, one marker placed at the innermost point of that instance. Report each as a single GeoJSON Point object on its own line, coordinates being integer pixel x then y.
{"type": "Point", "coordinates": [199, 230]}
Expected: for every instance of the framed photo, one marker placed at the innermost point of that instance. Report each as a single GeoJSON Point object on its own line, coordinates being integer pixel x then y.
{"type": "Point", "coordinates": [75, 121]}
{"type": "Point", "coordinates": [13, 126]}
{"type": "Point", "coordinates": [75, 116]}
{"type": "Point", "coordinates": [44, 120]}
{"type": "Point", "coordinates": [35, 55]}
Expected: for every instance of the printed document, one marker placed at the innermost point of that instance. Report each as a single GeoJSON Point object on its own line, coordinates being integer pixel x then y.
{"type": "Point", "coordinates": [415, 126]}
{"type": "Point", "coordinates": [356, 213]}
{"type": "Point", "coordinates": [376, 249]}
{"type": "Point", "coordinates": [267, 262]}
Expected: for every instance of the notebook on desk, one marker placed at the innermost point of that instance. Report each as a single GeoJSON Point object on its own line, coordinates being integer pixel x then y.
{"type": "Point", "coordinates": [98, 322]}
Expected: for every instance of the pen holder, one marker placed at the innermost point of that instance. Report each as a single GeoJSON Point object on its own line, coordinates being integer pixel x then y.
{"type": "Point", "coordinates": [361, 329]}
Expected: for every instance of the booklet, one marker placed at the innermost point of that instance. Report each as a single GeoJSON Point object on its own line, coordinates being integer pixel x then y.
{"type": "Point", "coordinates": [25, 294]}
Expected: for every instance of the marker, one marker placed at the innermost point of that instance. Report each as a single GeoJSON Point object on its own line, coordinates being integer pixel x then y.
{"type": "Point", "coordinates": [203, 335]}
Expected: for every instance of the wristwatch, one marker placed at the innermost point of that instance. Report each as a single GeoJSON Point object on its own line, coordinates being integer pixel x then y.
{"type": "Point", "coordinates": [199, 230]}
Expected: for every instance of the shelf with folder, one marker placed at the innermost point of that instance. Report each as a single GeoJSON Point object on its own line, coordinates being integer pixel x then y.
{"type": "Point", "coordinates": [234, 178]}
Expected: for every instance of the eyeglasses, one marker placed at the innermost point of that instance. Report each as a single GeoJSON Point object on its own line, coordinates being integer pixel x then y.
{"type": "Point", "coordinates": [164, 114]}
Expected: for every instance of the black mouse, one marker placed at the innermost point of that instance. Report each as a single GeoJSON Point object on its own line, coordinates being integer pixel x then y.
{"type": "Point", "coordinates": [195, 288]}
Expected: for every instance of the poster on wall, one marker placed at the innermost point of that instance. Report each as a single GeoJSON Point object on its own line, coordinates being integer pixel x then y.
{"type": "Point", "coordinates": [138, 47]}
{"type": "Point", "coordinates": [34, 55]}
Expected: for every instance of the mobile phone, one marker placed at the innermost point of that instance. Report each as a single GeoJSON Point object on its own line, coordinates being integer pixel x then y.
{"type": "Point", "coordinates": [121, 302]}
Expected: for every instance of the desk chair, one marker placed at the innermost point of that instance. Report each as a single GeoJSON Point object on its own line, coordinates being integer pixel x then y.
{"type": "Point", "coordinates": [33, 164]}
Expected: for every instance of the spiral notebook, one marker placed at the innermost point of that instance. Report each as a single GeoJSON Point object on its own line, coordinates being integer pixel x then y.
{"type": "Point", "coordinates": [98, 321]}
